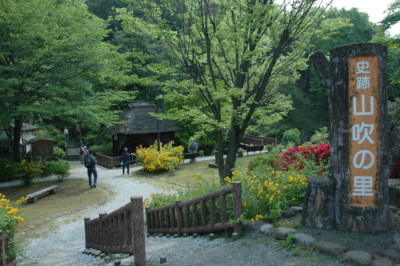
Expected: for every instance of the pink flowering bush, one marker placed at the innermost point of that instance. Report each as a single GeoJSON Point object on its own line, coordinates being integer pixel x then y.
{"type": "Point", "coordinates": [314, 156]}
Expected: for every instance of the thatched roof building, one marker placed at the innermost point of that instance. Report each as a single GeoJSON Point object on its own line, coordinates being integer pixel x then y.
{"type": "Point", "coordinates": [138, 127]}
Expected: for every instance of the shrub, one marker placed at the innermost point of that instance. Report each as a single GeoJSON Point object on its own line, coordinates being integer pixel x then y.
{"type": "Point", "coordinates": [240, 152]}
{"type": "Point", "coordinates": [59, 153]}
{"type": "Point", "coordinates": [266, 192]}
{"type": "Point", "coordinates": [9, 170]}
{"type": "Point", "coordinates": [167, 159]}
{"type": "Point", "coordinates": [59, 168]}
{"type": "Point", "coordinates": [9, 219]}
{"type": "Point", "coordinates": [291, 137]}
{"type": "Point", "coordinates": [30, 171]}
{"type": "Point", "coordinates": [314, 159]}
{"type": "Point", "coordinates": [320, 136]}
{"type": "Point", "coordinates": [267, 161]}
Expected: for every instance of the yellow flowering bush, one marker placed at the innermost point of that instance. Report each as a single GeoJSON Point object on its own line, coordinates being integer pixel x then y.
{"type": "Point", "coordinates": [30, 171]}
{"type": "Point", "coordinates": [167, 159]}
{"type": "Point", "coordinates": [10, 214]}
{"type": "Point", "coordinates": [266, 193]}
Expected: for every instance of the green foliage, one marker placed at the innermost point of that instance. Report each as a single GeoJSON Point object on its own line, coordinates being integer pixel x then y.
{"type": "Point", "coordinates": [167, 159]}
{"type": "Point", "coordinates": [29, 171]}
{"type": "Point", "coordinates": [320, 136]}
{"type": "Point", "coordinates": [59, 168]}
{"type": "Point", "coordinates": [50, 132]}
{"type": "Point", "coordinates": [288, 242]}
{"type": "Point", "coordinates": [240, 152]}
{"type": "Point", "coordinates": [9, 170]}
{"type": "Point", "coordinates": [5, 148]}
{"type": "Point", "coordinates": [394, 112]}
{"type": "Point", "coordinates": [58, 153]}
{"type": "Point", "coordinates": [103, 148]}
{"type": "Point", "coordinates": [231, 78]}
{"type": "Point", "coordinates": [291, 137]}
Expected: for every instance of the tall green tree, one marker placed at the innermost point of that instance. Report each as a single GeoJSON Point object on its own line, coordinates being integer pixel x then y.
{"type": "Point", "coordinates": [236, 54]}
{"type": "Point", "coordinates": [52, 59]}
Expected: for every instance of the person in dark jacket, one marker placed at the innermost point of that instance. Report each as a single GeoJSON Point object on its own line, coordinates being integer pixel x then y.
{"type": "Point", "coordinates": [90, 164]}
{"type": "Point", "coordinates": [125, 161]}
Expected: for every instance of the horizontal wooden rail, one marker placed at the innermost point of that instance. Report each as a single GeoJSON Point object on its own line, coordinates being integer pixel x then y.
{"type": "Point", "coordinates": [121, 231]}
{"type": "Point", "coordinates": [199, 215]}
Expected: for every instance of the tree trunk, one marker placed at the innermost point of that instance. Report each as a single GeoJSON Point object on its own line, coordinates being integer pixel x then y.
{"type": "Point", "coordinates": [358, 205]}
{"type": "Point", "coordinates": [16, 140]}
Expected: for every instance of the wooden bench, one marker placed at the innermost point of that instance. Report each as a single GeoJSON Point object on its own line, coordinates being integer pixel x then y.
{"type": "Point", "coordinates": [33, 197]}
{"type": "Point", "coordinates": [191, 156]}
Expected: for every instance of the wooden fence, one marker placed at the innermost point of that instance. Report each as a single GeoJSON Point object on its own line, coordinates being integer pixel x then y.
{"type": "Point", "coordinates": [4, 249]}
{"type": "Point", "coordinates": [254, 140]}
{"type": "Point", "coordinates": [121, 231]}
{"type": "Point", "coordinates": [199, 215]}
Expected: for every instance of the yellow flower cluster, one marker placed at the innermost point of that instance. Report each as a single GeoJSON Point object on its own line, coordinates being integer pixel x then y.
{"type": "Point", "coordinates": [267, 194]}
{"type": "Point", "coordinates": [9, 214]}
{"type": "Point", "coordinates": [166, 159]}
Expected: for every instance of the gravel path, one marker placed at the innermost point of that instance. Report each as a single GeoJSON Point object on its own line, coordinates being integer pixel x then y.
{"type": "Point", "coordinates": [65, 245]}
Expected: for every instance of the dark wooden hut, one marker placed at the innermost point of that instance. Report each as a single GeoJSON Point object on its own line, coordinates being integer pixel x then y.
{"type": "Point", "coordinates": [138, 127]}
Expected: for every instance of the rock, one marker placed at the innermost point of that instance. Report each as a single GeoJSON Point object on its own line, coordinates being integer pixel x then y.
{"type": "Point", "coordinates": [391, 253]}
{"type": "Point", "coordinates": [330, 249]}
{"type": "Point", "coordinates": [287, 214]}
{"type": "Point", "coordinates": [296, 209]}
{"type": "Point", "coordinates": [303, 239]}
{"type": "Point", "coordinates": [396, 246]}
{"type": "Point", "coordinates": [253, 227]}
{"type": "Point", "coordinates": [281, 233]}
{"type": "Point", "coordinates": [358, 257]}
{"type": "Point", "coordinates": [266, 229]}
{"type": "Point", "coordinates": [382, 262]}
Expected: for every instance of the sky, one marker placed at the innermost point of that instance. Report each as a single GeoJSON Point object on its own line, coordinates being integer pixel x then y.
{"type": "Point", "coordinates": [374, 8]}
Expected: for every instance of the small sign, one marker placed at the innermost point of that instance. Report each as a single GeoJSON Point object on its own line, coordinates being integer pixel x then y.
{"type": "Point", "coordinates": [42, 148]}
{"type": "Point", "coordinates": [364, 130]}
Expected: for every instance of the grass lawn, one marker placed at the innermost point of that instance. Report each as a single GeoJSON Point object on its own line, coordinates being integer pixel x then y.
{"type": "Point", "coordinates": [72, 195]}
{"type": "Point", "coordinates": [184, 175]}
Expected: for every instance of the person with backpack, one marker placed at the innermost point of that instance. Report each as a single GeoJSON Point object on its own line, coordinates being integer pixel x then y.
{"type": "Point", "coordinates": [90, 164]}
{"type": "Point", "coordinates": [193, 149]}
{"type": "Point", "coordinates": [125, 161]}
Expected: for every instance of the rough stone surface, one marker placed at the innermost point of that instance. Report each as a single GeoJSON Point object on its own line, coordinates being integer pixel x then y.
{"type": "Point", "coordinates": [382, 262]}
{"type": "Point", "coordinates": [358, 257]}
{"type": "Point", "coordinates": [253, 227]}
{"type": "Point", "coordinates": [392, 254]}
{"type": "Point", "coordinates": [288, 214]}
{"type": "Point", "coordinates": [281, 233]}
{"type": "Point", "coordinates": [330, 249]}
{"type": "Point", "coordinates": [266, 229]}
{"type": "Point", "coordinates": [303, 239]}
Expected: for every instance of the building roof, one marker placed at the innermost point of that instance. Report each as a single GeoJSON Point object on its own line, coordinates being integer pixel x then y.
{"type": "Point", "coordinates": [137, 120]}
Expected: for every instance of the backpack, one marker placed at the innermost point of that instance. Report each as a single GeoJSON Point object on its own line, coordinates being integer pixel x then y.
{"type": "Point", "coordinates": [89, 162]}
{"type": "Point", "coordinates": [193, 146]}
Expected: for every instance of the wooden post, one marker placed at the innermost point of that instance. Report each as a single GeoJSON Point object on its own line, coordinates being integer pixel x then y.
{"type": "Point", "coordinates": [356, 83]}
{"type": "Point", "coordinates": [237, 205]}
{"type": "Point", "coordinates": [138, 238]}
{"type": "Point", "coordinates": [87, 233]}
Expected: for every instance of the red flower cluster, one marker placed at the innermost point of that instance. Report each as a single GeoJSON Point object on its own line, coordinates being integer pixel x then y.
{"type": "Point", "coordinates": [396, 171]}
{"type": "Point", "coordinates": [318, 154]}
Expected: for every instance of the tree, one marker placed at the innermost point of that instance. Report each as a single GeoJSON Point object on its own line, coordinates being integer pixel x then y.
{"type": "Point", "coordinates": [337, 27]}
{"type": "Point", "coordinates": [236, 54]}
{"type": "Point", "coordinates": [52, 60]}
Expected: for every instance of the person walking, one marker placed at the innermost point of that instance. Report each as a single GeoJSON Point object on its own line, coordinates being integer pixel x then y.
{"type": "Point", "coordinates": [193, 149]}
{"type": "Point", "coordinates": [125, 161]}
{"type": "Point", "coordinates": [90, 164]}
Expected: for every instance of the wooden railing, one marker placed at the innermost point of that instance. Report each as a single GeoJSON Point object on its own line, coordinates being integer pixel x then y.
{"type": "Point", "coordinates": [4, 250]}
{"type": "Point", "coordinates": [199, 215]}
{"type": "Point", "coordinates": [121, 231]}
